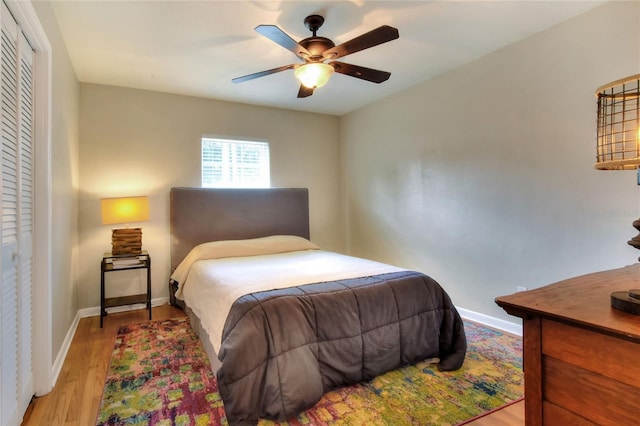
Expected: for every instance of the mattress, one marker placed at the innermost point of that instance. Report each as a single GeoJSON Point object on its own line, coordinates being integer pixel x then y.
{"type": "Point", "coordinates": [215, 278]}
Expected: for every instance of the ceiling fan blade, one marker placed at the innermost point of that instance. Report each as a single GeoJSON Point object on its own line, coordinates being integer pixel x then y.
{"type": "Point", "coordinates": [304, 91]}
{"type": "Point", "coordinates": [262, 73]}
{"type": "Point", "coordinates": [369, 74]}
{"type": "Point", "coordinates": [375, 37]}
{"type": "Point", "coordinates": [278, 36]}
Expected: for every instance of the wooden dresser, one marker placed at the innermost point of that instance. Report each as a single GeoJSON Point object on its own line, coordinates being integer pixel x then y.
{"type": "Point", "coordinates": [581, 356]}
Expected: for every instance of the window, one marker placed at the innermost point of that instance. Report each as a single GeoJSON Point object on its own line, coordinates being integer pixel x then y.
{"type": "Point", "coordinates": [235, 164]}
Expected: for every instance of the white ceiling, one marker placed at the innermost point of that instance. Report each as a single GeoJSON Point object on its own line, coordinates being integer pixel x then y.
{"type": "Point", "coordinates": [197, 47]}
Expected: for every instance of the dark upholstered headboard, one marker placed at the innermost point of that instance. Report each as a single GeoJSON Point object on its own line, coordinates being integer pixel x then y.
{"type": "Point", "coordinates": [199, 215]}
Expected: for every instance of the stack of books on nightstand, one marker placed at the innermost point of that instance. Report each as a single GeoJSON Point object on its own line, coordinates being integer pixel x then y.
{"type": "Point", "coordinates": [127, 262]}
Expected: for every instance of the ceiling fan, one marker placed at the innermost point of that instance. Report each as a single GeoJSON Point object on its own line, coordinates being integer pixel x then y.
{"type": "Point", "coordinates": [315, 50]}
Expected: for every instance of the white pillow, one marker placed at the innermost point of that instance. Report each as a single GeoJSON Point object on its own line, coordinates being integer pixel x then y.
{"type": "Point", "coordinates": [237, 248]}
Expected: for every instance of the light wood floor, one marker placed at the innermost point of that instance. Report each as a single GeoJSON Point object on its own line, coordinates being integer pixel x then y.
{"type": "Point", "coordinates": [76, 396]}
{"type": "Point", "coordinates": [513, 415]}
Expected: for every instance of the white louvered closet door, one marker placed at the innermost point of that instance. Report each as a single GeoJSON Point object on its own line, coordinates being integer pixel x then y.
{"type": "Point", "coordinates": [16, 205]}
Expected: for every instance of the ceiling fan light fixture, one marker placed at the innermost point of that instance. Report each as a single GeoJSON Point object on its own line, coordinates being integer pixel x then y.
{"type": "Point", "coordinates": [314, 75]}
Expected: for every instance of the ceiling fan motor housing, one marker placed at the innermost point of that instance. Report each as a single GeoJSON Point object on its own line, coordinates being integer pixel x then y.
{"type": "Point", "coordinates": [316, 46]}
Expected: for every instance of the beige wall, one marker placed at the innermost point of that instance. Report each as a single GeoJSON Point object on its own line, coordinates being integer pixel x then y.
{"type": "Point", "coordinates": [64, 179]}
{"type": "Point", "coordinates": [135, 142]}
{"type": "Point", "coordinates": [483, 177]}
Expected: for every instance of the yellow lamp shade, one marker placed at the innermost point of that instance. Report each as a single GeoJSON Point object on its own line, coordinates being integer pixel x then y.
{"type": "Point", "coordinates": [125, 210]}
{"type": "Point", "coordinates": [313, 75]}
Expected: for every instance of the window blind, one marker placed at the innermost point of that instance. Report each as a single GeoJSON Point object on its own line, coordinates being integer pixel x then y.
{"type": "Point", "coordinates": [235, 164]}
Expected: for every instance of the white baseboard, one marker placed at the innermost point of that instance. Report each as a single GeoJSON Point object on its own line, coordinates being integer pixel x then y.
{"type": "Point", "coordinates": [95, 310]}
{"type": "Point", "coordinates": [509, 327]}
{"type": "Point", "coordinates": [64, 349]}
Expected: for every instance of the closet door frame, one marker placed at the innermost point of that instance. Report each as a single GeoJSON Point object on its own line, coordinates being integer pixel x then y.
{"type": "Point", "coordinates": [42, 335]}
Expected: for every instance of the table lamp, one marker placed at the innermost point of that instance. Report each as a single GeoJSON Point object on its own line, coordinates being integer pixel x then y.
{"type": "Point", "coordinates": [125, 210]}
{"type": "Point", "coordinates": [618, 148]}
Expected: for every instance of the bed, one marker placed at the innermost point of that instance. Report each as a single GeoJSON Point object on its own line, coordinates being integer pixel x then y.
{"type": "Point", "coordinates": [284, 321]}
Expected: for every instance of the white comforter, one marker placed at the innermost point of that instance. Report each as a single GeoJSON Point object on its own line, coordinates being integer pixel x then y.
{"type": "Point", "coordinates": [212, 285]}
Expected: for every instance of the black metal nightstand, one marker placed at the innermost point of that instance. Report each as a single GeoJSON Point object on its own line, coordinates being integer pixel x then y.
{"type": "Point", "coordinates": [111, 263]}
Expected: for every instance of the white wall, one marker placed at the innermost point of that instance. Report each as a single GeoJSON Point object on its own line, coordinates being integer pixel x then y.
{"type": "Point", "coordinates": [64, 179]}
{"type": "Point", "coordinates": [136, 142]}
{"type": "Point", "coordinates": [483, 177]}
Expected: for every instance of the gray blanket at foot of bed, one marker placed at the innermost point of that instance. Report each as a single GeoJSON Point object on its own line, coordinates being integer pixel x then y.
{"type": "Point", "coordinates": [283, 349]}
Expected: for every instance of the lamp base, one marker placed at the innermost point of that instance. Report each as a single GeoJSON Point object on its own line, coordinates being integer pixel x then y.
{"type": "Point", "coordinates": [126, 241]}
{"type": "Point", "coordinates": [626, 301]}
{"type": "Point", "coordinates": [635, 241]}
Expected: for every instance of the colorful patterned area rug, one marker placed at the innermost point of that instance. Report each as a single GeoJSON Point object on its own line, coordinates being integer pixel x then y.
{"type": "Point", "coordinates": [159, 375]}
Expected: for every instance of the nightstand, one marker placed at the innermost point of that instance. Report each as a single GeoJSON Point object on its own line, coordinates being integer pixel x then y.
{"type": "Point", "coordinates": [115, 263]}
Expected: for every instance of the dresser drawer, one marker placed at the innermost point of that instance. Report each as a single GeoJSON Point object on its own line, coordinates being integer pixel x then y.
{"type": "Point", "coordinates": [606, 355]}
{"type": "Point", "coordinates": [590, 375]}
{"type": "Point", "coordinates": [553, 415]}
{"type": "Point", "coordinates": [592, 396]}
